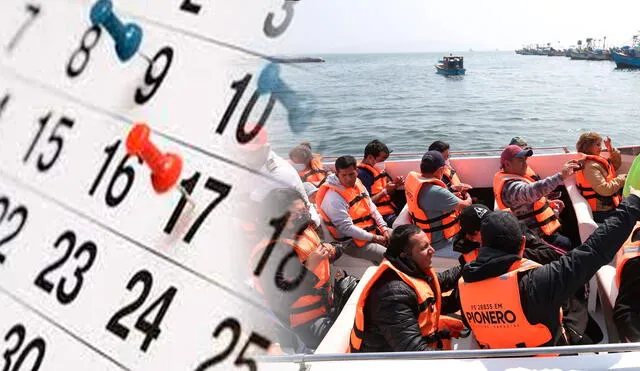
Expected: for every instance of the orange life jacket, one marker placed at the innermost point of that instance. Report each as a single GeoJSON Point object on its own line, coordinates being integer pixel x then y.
{"type": "Point", "coordinates": [312, 305]}
{"type": "Point", "coordinates": [359, 210]}
{"type": "Point", "coordinates": [498, 321]}
{"type": "Point", "coordinates": [380, 180]}
{"type": "Point", "coordinates": [450, 177]}
{"type": "Point", "coordinates": [630, 250]}
{"type": "Point", "coordinates": [317, 174]}
{"type": "Point", "coordinates": [532, 174]}
{"type": "Point", "coordinates": [471, 255]}
{"type": "Point", "coordinates": [587, 190]}
{"type": "Point", "coordinates": [429, 302]}
{"type": "Point", "coordinates": [449, 220]}
{"type": "Point", "coordinates": [546, 219]}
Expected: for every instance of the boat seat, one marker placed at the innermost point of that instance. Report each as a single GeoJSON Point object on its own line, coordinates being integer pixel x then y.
{"type": "Point", "coordinates": [586, 226]}
{"type": "Point", "coordinates": [608, 292]}
{"type": "Point", "coordinates": [337, 339]}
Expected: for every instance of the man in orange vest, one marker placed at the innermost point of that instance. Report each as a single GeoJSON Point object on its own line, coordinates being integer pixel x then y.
{"type": "Point", "coordinates": [381, 187]}
{"type": "Point", "coordinates": [580, 327]}
{"type": "Point", "coordinates": [526, 198]}
{"type": "Point", "coordinates": [527, 311]}
{"type": "Point", "coordinates": [432, 206]}
{"type": "Point", "coordinates": [449, 176]}
{"type": "Point", "coordinates": [626, 312]}
{"type": "Point", "coordinates": [292, 269]}
{"type": "Point", "coordinates": [350, 215]}
{"type": "Point", "coordinates": [469, 240]}
{"type": "Point", "coordinates": [399, 309]}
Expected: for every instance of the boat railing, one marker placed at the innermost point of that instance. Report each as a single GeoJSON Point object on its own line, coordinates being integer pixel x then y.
{"type": "Point", "coordinates": [463, 152]}
{"type": "Point", "coordinates": [453, 354]}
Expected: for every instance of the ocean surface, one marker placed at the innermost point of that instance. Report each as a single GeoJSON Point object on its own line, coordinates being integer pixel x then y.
{"type": "Point", "coordinates": [349, 100]}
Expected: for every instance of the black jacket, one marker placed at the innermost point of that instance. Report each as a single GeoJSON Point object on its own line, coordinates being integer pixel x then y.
{"type": "Point", "coordinates": [544, 289]}
{"type": "Point", "coordinates": [580, 328]}
{"type": "Point", "coordinates": [626, 313]}
{"type": "Point", "coordinates": [391, 309]}
{"type": "Point", "coordinates": [535, 249]}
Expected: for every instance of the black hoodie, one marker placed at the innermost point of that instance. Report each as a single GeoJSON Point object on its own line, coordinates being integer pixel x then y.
{"type": "Point", "coordinates": [391, 309]}
{"type": "Point", "coordinates": [542, 290]}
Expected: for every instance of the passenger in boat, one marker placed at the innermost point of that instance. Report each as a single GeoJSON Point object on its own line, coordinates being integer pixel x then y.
{"type": "Point", "coordinates": [399, 309]}
{"type": "Point", "coordinates": [258, 155]}
{"type": "Point", "coordinates": [598, 182]}
{"type": "Point", "coordinates": [294, 272]}
{"type": "Point", "coordinates": [350, 215]}
{"type": "Point", "coordinates": [469, 240]}
{"type": "Point", "coordinates": [527, 313]}
{"type": "Point", "coordinates": [432, 206]}
{"type": "Point", "coordinates": [527, 199]}
{"type": "Point", "coordinates": [309, 165]}
{"type": "Point", "coordinates": [449, 176]}
{"type": "Point", "coordinates": [520, 142]}
{"type": "Point", "coordinates": [578, 324]}
{"type": "Point", "coordinates": [626, 312]}
{"type": "Point", "coordinates": [382, 188]}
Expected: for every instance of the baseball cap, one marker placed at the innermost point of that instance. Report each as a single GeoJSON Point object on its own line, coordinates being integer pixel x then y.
{"type": "Point", "coordinates": [471, 218]}
{"type": "Point", "coordinates": [431, 161]}
{"type": "Point", "coordinates": [501, 230]}
{"type": "Point", "coordinates": [514, 151]}
{"type": "Point", "coordinates": [518, 141]}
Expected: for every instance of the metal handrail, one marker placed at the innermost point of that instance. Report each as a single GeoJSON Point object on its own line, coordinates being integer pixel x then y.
{"type": "Point", "coordinates": [453, 354]}
{"type": "Point", "coordinates": [463, 152]}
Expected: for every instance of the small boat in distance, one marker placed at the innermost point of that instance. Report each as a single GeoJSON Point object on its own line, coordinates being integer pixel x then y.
{"type": "Point", "coordinates": [451, 65]}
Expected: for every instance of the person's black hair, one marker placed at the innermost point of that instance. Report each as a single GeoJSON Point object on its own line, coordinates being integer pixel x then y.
{"type": "Point", "coordinates": [345, 162]}
{"type": "Point", "coordinates": [439, 146]}
{"type": "Point", "coordinates": [375, 148]}
{"type": "Point", "coordinates": [400, 239]}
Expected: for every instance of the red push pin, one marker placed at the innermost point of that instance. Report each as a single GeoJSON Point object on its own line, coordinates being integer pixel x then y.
{"type": "Point", "coordinates": [165, 168]}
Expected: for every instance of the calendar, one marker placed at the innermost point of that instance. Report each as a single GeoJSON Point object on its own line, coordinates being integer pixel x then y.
{"type": "Point", "coordinates": [98, 271]}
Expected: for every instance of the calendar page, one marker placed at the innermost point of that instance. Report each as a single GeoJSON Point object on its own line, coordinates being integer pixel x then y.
{"type": "Point", "coordinates": [104, 263]}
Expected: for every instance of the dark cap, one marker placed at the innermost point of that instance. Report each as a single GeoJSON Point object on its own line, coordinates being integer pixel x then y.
{"type": "Point", "coordinates": [518, 141]}
{"type": "Point", "coordinates": [501, 230]}
{"type": "Point", "coordinates": [471, 218]}
{"type": "Point", "coordinates": [431, 161]}
{"type": "Point", "coordinates": [514, 151]}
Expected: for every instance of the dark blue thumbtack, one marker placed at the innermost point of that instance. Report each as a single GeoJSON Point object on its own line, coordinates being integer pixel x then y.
{"type": "Point", "coordinates": [269, 81]}
{"type": "Point", "coordinates": [126, 36]}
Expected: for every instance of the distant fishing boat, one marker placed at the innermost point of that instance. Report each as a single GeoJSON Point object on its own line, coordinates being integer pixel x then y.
{"type": "Point", "coordinates": [451, 65]}
{"type": "Point", "coordinates": [628, 56]}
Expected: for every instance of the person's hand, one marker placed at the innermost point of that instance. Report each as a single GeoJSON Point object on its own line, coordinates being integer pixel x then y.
{"type": "Point", "coordinates": [391, 187]}
{"type": "Point", "coordinates": [387, 234]}
{"type": "Point", "coordinates": [381, 240]}
{"type": "Point", "coordinates": [557, 206]}
{"type": "Point", "coordinates": [607, 144]}
{"type": "Point", "coordinates": [316, 257]}
{"type": "Point", "coordinates": [462, 187]}
{"type": "Point", "coordinates": [399, 180]}
{"type": "Point", "coordinates": [569, 168]}
{"type": "Point", "coordinates": [330, 249]}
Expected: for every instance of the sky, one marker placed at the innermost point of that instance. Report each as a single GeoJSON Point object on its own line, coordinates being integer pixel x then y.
{"type": "Point", "coordinates": [363, 26]}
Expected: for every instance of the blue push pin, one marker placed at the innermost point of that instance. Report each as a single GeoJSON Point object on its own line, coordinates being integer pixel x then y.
{"type": "Point", "coordinates": [127, 37]}
{"type": "Point", "coordinates": [269, 82]}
